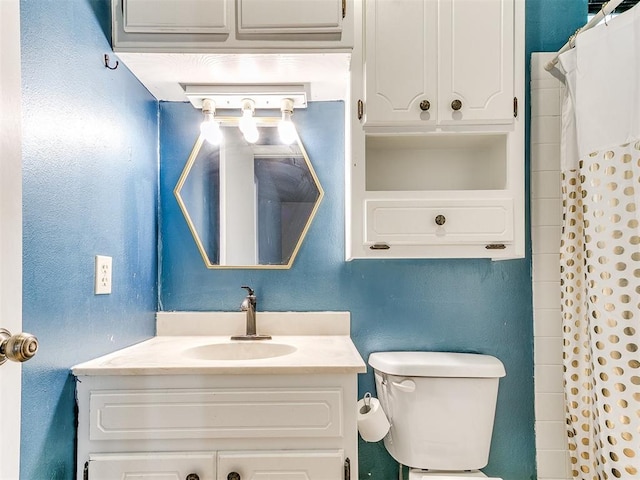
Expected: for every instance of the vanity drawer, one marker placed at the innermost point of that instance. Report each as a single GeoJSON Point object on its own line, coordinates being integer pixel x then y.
{"type": "Point", "coordinates": [216, 413]}
{"type": "Point", "coordinates": [415, 222]}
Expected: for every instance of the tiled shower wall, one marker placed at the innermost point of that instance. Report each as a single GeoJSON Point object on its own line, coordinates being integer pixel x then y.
{"type": "Point", "coordinates": [546, 218]}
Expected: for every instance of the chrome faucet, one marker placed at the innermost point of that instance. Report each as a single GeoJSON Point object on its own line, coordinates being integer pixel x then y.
{"type": "Point", "coordinates": [249, 305]}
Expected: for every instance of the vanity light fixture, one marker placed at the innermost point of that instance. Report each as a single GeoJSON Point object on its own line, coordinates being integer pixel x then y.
{"type": "Point", "coordinates": [210, 128]}
{"type": "Point", "coordinates": [247, 99]}
{"type": "Point", "coordinates": [286, 128]}
{"type": "Point", "coordinates": [247, 123]}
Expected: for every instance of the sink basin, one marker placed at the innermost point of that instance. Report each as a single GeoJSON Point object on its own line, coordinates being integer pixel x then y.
{"type": "Point", "coordinates": [239, 351]}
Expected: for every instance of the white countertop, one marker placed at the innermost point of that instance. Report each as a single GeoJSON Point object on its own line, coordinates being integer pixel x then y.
{"type": "Point", "coordinates": [325, 349]}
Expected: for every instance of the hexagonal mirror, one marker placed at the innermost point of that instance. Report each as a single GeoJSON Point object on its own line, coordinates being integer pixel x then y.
{"type": "Point", "coordinates": [248, 205]}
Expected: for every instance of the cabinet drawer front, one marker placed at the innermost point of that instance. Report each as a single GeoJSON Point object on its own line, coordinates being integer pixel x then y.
{"type": "Point", "coordinates": [407, 222]}
{"type": "Point", "coordinates": [289, 465]}
{"type": "Point", "coordinates": [216, 413]}
{"type": "Point", "coordinates": [178, 16]}
{"type": "Point", "coordinates": [289, 16]}
{"type": "Point", "coordinates": [153, 466]}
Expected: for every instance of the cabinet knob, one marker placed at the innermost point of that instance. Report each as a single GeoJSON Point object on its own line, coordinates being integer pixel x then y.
{"type": "Point", "coordinates": [440, 220]}
{"type": "Point", "coordinates": [456, 104]}
{"type": "Point", "coordinates": [233, 476]}
{"type": "Point", "coordinates": [425, 105]}
{"type": "Point", "coordinates": [192, 476]}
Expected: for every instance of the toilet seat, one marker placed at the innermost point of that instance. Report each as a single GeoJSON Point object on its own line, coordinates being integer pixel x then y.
{"type": "Point", "coordinates": [417, 474]}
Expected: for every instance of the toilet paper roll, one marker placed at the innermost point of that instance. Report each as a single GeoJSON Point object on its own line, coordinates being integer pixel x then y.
{"type": "Point", "coordinates": [372, 421]}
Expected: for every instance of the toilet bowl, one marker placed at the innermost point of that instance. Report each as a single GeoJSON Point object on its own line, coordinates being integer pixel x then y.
{"type": "Point", "coordinates": [441, 407]}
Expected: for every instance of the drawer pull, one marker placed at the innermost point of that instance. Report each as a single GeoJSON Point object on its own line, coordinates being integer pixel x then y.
{"type": "Point", "coordinates": [440, 220]}
{"type": "Point", "coordinates": [425, 105]}
{"type": "Point", "coordinates": [496, 246]}
{"type": "Point", "coordinates": [379, 246]}
{"type": "Point", "coordinates": [456, 104]}
{"type": "Point", "coordinates": [233, 476]}
{"type": "Point", "coordinates": [193, 476]}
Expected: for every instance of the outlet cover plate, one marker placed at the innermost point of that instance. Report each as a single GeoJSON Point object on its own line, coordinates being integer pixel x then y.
{"type": "Point", "coordinates": [103, 275]}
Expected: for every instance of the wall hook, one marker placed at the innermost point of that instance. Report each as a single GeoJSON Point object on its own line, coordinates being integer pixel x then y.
{"type": "Point", "coordinates": [106, 63]}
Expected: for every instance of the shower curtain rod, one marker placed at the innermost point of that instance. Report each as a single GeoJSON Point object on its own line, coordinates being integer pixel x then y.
{"type": "Point", "coordinates": [606, 9]}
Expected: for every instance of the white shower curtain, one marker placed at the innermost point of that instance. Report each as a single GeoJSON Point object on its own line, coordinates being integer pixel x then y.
{"type": "Point", "coordinates": [600, 251]}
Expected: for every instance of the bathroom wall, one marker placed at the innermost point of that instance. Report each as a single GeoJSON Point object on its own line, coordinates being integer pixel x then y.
{"type": "Point", "coordinates": [546, 220]}
{"type": "Point", "coordinates": [90, 187]}
{"type": "Point", "coordinates": [90, 168]}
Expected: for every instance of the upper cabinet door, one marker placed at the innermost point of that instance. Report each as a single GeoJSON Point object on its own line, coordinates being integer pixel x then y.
{"type": "Point", "coordinates": [178, 16]}
{"type": "Point", "coordinates": [439, 62]}
{"type": "Point", "coordinates": [400, 52]}
{"type": "Point", "coordinates": [290, 16]}
{"type": "Point", "coordinates": [476, 61]}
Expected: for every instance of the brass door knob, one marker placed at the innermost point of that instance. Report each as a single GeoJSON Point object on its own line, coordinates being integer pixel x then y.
{"type": "Point", "coordinates": [425, 105]}
{"type": "Point", "coordinates": [456, 104]}
{"type": "Point", "coordinates": [18, 348]}
{"type": "Point", "coordinates": [193, 476]}
{"type": "Point", "coordinates": [440, 220]}
{"type": "Point", "coordinates": [233, 476]}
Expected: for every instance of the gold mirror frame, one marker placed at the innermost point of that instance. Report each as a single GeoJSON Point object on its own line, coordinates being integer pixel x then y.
{"type": "Point", "coordinates": [262, 122]}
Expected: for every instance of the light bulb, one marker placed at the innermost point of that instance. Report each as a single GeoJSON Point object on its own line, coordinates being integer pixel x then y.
{"type": "Point", "coordinates": [287, 131]}
{"type": "Point", "coordinates": [286, 128]}
{"type": "Point", "coordinates": [251, 135]}
{"type": "Point", "coordinates": [210, 130]}
{"type": "Point", "coordinates": [247, 123]}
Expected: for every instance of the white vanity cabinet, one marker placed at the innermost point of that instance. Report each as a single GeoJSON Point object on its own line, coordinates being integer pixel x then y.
{"type": "Point", "coordinates": [203, 25]}
{"type": "Point", "coordinates": [206, 427]}
{"type": "Point", "coordinates": [192, 404]}
{"type": "Point", "coordinates": [436, 136]}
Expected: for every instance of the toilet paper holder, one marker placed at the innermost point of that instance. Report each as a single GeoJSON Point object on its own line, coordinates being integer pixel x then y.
{"type": "Point", "coordinates": [366, 408]}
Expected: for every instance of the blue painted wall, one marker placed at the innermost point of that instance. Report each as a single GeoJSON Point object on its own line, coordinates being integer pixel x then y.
{"type": "Point", "coordinates": [90, 187]}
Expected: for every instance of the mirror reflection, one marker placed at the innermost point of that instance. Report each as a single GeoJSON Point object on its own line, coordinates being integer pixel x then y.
{"type": "Point", "coordinates": [248, 205]}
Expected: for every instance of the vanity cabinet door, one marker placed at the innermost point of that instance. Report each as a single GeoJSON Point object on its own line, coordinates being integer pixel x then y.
{"type": "Point", "coordinates": [152, 466]}
{"type": "Point", "coordinates": [277, 465]}
{"type": "Point", "coordinates": [175, 16]}
{"type": "Point", "coordinates": [439, 62]}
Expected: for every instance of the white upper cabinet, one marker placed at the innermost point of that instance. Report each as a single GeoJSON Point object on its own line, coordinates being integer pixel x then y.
{"type": "Point", "coordinates": [439, 62]}
{"type": "Point", "coordinates": [190, 26]}
{"type": "Point", "coordinates": [436, 142]}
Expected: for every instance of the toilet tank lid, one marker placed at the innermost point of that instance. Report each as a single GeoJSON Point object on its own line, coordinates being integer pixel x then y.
{"type": "Point", "coordinates": [437, 364]}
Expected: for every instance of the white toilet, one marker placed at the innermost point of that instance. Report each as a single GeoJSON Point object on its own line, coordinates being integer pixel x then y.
{"type": "Point", "coordinates": [441, 408]}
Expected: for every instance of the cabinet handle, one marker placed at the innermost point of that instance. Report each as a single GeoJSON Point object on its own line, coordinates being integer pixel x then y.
{"type": "Point", "coordinates": [425, 105]}
{"type": "Point", "coordinates": [456, 104]}
{"type": "Point", "coordinates": [379, 246]}
{"type": "Point", "coordinates": [440, 220]}
{"type": "Point", "coordinates": [193, 476]}
{"type": "Point", "coordinates": [360, 109]}
{"type": "Point", "coordinates": [233, 476]}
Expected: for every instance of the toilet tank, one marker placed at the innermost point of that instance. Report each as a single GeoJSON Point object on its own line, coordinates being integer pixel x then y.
{"type": "Point", "coordinates": [441, 407]}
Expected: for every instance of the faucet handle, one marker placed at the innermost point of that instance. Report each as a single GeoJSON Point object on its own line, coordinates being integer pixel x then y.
{"type": "Point", "coordinates": [248, 289]}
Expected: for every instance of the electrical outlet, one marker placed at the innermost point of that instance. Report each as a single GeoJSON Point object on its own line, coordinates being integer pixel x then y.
{"type": "Point", "coordinates": [103, 275]}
